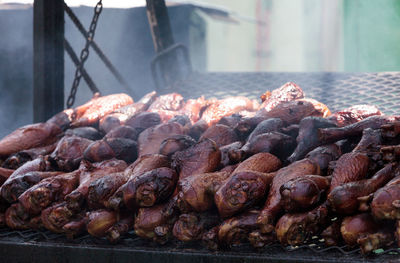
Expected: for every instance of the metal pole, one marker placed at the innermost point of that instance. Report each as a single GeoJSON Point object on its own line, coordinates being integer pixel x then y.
{"type": "Point", "coordinates": [48, 58]}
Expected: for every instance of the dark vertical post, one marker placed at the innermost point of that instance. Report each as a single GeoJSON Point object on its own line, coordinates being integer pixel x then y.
{"type": "Point", "coordinates": [161, 32]}
{"type": "Point", "coordinates": [48, 58]}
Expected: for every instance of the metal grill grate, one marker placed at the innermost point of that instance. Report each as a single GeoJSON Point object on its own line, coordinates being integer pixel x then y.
{"type": "Point", "coordinates": [336, 90]}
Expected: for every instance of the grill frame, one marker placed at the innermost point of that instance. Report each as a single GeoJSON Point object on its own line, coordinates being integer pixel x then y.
{"type": "Point", "coordinates": [336, 90]}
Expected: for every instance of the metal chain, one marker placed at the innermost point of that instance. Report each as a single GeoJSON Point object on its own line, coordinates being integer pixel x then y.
{"type": "Point", "coordinates": [84, 54]}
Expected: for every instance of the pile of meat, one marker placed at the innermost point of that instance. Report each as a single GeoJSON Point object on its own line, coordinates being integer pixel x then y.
{"type": "Point", "coordinates": [221, 172]}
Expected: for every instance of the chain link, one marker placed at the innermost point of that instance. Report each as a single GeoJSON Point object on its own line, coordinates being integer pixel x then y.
{"type": "Point", "coordinates": [84, 54]}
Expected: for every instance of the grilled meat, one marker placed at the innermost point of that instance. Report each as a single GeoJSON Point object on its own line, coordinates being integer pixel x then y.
{"type": "Point", "coordinates": [354, 114]}
{"type": "Point", "coordinates": [108, 148]}
{"type": "Point", "coordinates": [354, 227]}
{"type": "Point", "coordinates": [386, 201]}
{"type": "Point", "coordinates": [222, 135]}
{"type": "Point", "coordinates": [192, 226]}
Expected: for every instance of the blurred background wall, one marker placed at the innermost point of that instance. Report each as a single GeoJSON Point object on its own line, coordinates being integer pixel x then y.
{"type": "Point", "coordinates": [251, 35]}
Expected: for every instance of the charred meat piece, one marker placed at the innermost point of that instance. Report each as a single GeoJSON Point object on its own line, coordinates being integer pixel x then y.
{"type": "Point", "coordinates": [171, 101]}
{"type": "Point", "coordinates": [259, 240]}
{"type": "Point", "coordinates": [144, 121]}
{"type": "Point", "coordinates": [332, 235]}
{"type": "Point", "coordinates": [386, 201]}
{"type": "Point", "coordinates": [203, 157]}
{"type": "Point", "coordinates": [89, 173]}
{"type": "Point", "coordinates": [175, 144]}
{"type": "Point", "coordinates": [182, 120]}
{"type": "Point", "coordinates": [210, 238]}
{"type": "Point", "coordinates": [307, 139]}
{"type": "Point", "coordinates": [99, 107]}
{"type": "Point", "coordinates": [226, 107]}
{"type": "Point", "coordinates": [269, 125]}
{"type": "Point", "coordinates": [230, 121]}
{"type": "Point", "coordinates": [287, 92]}
{"type": "Point", "coordinates": [149, 188]}
{"type": "Point", "coordinates": [354, 114]}
{"type": "Point", "coordinates": [150, 140]}
{"type": "Point", "coordinates": [260, 162]}
{"type": "Point", "coordinates": [56, 216]}
{"type": "Point", "coordinates": [348, 198]}
{"type": "Point", "coordinates": [122, 131]}
{"type": "Point", "coordinates": [156, 223]}
{"type": "Point", "coordinates": [5, 174]}
{"type": "Point", "coordinates": [197, 192]}
{"type": "Point", "coordinates": [40, 164]}
{"type": "Point", "coordinates": [18, 159]}
{"type": "Point", "coordinates": [16, 217]}
{"type": "Point", "coordinates": [123, 226]}
{"type": "Point", "coordinates": [193, 108]}
{"type": "Point", "coordinates": [112, 121]}
{"type": "Point", "coordinates": [89, 133]}
{"type": "Point", "coordinates": [241, 191]}
{"type": "Point", "coordinates": [329, 135]}
{"type": "Point", "coordinates": [192, 226]}
{"type": "Point", "coordinates": [354, 227]}
{"type": "Point", "coordinates": [47, 191]}
{"type": "Point", "coordinates": [198, 129]}
{"type": "Point", "coordinates": [273, 206]}
{"type": "Point", "coordinates": [14, 187]}
{"type": "Point", "coordinates": [303, 192]}
{"type": "Point", "coordinates": [325, 154]}
{"type": "Point", "coordinates": [63, 119]}
{"type": "Point", "coordinates": [220, 134]}
{"type": "Point", "coordinates": [119, 148]}
{"type": "Point", "coordinates": [231, 154]}
{"type": "Point", "coordinates": [140, 166]}
{"type": "Point", "coordinates": [370, 141]}
{"type": "Point", "coordinates": [236, 230]}
{"type": "Point", "coordinates": [276, 143]}
{"type": "Point", "coordinates": [384, 237]}
{"type": "Point", "coordinates": [349, 167]}
{"type": "Point", "coordinates": [29, 136]}
{"type": "Point", "coordinates": [294, 229]}
{"type": "Point", "coordinates": [69, 152]}
{"type": "Point", "coordinates": [75, 227]}
{"type": "Point", "coordinates": [100, 221]}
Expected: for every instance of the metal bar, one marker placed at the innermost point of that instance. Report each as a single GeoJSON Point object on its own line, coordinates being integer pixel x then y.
{"type": "Point", "coordinates": [97, 49]}
{"type": "Point", "coordinates": [75, 60]}
{"type": "Point", "coordinates": [161, 33]}
{"type": "Point", "coordinates": [48, 58]}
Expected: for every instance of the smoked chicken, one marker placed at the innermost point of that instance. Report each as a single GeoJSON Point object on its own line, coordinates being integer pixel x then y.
{"type": "Point", "coordinates": [354, 114]}
{"type": "Point", "coordinates": [192, 226]}
{"type": "Point", "coordinates": [386, 201]}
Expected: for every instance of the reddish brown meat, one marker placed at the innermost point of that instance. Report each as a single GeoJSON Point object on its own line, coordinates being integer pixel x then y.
{"type": "Point", "coordinates": [197, 192]}
{"type": "Point", "coordinates": [99, 107]}
{"type": "Point", "coordinates": [193, 108]}
{"type": "Point", "coordinates": [143, 121]}
{"type": "Point", "coordinates": [304, 192]}
{"type": "Point", "coordinates": [85, 132]}
{"type": "Point", "coordinates": [349, 167]}
{"type": "Point", "coordinates": [63, 119]}
{"type": "Point", "coordinates": [175, 144]}
{"type": "Point", "coordinates": [171, 101]}
{"type": "Point", "coordinates": [69, 152]}
{"type": "Point", "coordinates": [220, 134]}
{"type": "Point", "coordinates": [100, 221]}
{"type": "Point", "coordinates": [354, 227]}
{"type": "Point", "coordinates": [123, 226]}
{"type": "Point", "coordinates": [383, 238]}
{"type": "Point", "coordinates": [203, 157]}
{"type": "Point", "coordinates": [29, 136]}
{"type": "Point", "coordinates": [108, 148]}
{"type": "Point", "coordinates": [325, 154]}
{"type": "Point", "coordinates": [226, 107]}
{"type": "Point", "coordinates": [14, 187]}
{"type": "Point", "coordinates": [266, 126]}
{"type": "Point", "coordinates": [231, 154]}
{"type": "Point", "coordinates": [56, 216]}
{"type": "Point", "coordinates": [230, 121]}
{"type": "Point", "coordinates": [287, 92]}
{"type": "Point", "coordinates": [241, 191]}
{"type": "Point", "coordinates": [5, 174]}
{"type": "Point", "coordinates": [386, 201]}
{"type": "Point", "coordinates": [332, 235]}
{"type": "Point", "coordinates": [348, 198]}
{"type": "Point", "coordinates": [192, 226]}
{"type": "Point", "coordinates": [273, 205]}
{"type": "Point", "coordinates": [294, 229]}
{"type": "Point", "coordinates": [89, 173]}
{"type": "Point", "coordinates": [150, 140]}
{"type": "Point", "coordinates": [260, 162]}
{"type": "Point", "coordinates": [371, 141]}
{"type": "Point", "coordinates": [122, 131]}
{"type": "Point", "coordinates": [354, 114]}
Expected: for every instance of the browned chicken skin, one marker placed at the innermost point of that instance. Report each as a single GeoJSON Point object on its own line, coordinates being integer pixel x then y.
{"type": "Point", "coordinates": [332, 235]}
{"type": "Point", "coordinates": [27, 137]}
{"type": "Point", "coordinates": [349, 167]}
{"type": "Point", "coordinates": [221, 134]}
{"type": "Point", "coordinates": [144, 121]}
{"type": "Point", "coordinates": [325, 154]}
{"type": "Point", "coordinates": [192, 226]}
{"type": "Point", "coordinates": [354, 114]}
{"type": "Point", "coordinates": [69, 152]}
{"type": "Point", "coordinates": [386, 201]}
{"type": "Point", "coordinates": [203, 157]}
{"type": "Point", "coordinates": [304, 192]}
{"type": "Point", "coordinates": [98, 107]}
{"type": "Point", "coordinates": [260, 162]}
{"type": "Point", "coordinates": [175, 144]}
{"type": "Point", "coordinates": [384, 237]}
{"type": "Point", "coordinates": [294, 229]}
{"type": "Point", "coordinates": [122, 131]}
{"type": "Point", "coordinates": [231, 154]}
{"type": "Point", "coordinates": [347, 198]}
{"type": "Point", "coordinates": [99, 221]}
{"type": "Point", "coordinates": [354, 227]}
{"type": "Point", "coordinates": [241, 190]}
{"type": "Point", "coordinates": [193, 108]}
{"type": "Point", "coordinates": [273, 205]}
{"type": "Point", "coordinates": [108, 148]}
{"type": "Point", "coordinates": [89, 133]}
{"type": "Point", "coordinates": [89, 173]}
{"type": "Point", "coordinates": [266, 126]}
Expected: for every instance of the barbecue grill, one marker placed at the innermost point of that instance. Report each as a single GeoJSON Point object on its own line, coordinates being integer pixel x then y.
{"type": "Point", "coordinates": [336, 90]}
